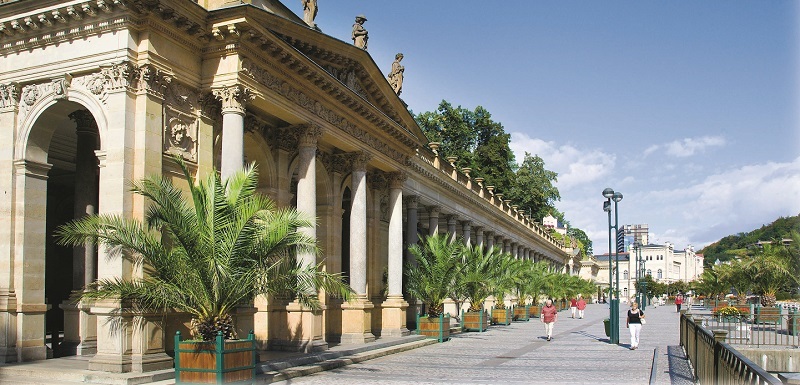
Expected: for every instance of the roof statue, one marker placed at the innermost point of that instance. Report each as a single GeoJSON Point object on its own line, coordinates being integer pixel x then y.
{"type": "Point", "coordinates": [396, 74]}
{"type": "Point", "coordinates": [310, 12]}
{"type": "Point", "coordinates": [360, 34]}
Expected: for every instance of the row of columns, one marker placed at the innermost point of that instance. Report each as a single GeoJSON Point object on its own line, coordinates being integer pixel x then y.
{"type": "Point", "coordinates": [482, 237]}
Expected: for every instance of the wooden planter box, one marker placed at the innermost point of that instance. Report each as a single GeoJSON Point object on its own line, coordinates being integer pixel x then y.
{"type": "Point", "coordinates": [218, 362]}
{"type": "Point", "coordinates": [768, 315]}
{"type": "Point", "coordinates": [474, 321]}
{"type": "Point", "coordinates": [501, 316]}
{"type": "Point", "coordinates": [522, 313]}
{"type": "Point", "coordinates": [434, 327]}
{"type": "Point", "coordinates": [534, 311]}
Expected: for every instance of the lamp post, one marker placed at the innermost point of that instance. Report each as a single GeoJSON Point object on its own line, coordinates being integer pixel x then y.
{"type": "Point", "coordinates": [644, 280]}
{"type": "Point", "coordinates": [641, 283]}
{"type": "Point", "coordinates": [613, 308]}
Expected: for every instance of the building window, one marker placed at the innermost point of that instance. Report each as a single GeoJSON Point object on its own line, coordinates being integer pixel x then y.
{"type": "Point", "coordinates": [650, 272]}
{"type": "Point", "coordinates": [625, 274]}
{"type": "Point", "coordinates": [660, 274]}
{"type": "Point", "coordinates": [625, 292]}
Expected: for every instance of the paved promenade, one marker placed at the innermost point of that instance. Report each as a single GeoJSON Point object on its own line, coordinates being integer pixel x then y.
{"type": "Point", "coordinates": [518, 353]}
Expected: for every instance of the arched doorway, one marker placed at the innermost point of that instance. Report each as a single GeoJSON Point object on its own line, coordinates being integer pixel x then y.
{"type": "Point", "coordinates": [64, 139]}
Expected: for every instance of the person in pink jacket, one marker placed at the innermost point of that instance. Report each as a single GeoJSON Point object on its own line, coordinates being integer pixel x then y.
{"type": "Point", "coordinates": [549, 316]}
{"type": "Point", "coordinates": [581, 306]}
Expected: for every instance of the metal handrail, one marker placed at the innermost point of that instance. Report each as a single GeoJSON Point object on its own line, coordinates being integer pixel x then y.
{"type": "Point", "coordinates": [716, 362]}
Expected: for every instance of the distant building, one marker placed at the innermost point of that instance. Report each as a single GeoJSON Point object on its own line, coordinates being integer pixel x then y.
{"type": "Point", "coordinates": [552, 222]}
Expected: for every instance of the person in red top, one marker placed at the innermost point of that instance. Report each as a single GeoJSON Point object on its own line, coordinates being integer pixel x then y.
{"type": "Point", "coordinates": [573, 305]}
{"type": "Point", "coordinates": [581, 306]}
{"type": "Point", "coordinates": [549, 316]}
{"type": "Point", "coordinates": [678, 302]}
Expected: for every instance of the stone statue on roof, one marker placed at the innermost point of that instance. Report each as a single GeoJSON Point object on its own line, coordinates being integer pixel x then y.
{"type": "Point", "coordinates": [396, 75]}
{"type": "Point", "coordinates": [360, 34]}
{"type": "Point", "coordinates": [310, 12]}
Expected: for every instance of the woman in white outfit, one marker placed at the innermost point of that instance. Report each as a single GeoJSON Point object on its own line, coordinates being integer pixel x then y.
{"type": "Point", "coordinates": [634, 324]}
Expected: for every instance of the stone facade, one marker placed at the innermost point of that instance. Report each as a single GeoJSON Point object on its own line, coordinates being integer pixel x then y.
{"type": "Point", "coordinates": [96, 94]}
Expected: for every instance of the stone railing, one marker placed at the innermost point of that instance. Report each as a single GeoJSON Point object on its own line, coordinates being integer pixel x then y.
{"type": "Point", "coordinates": [447, 166]}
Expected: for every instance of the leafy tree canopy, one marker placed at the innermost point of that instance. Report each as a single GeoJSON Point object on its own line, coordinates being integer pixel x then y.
{"type": "Point", "coordinates": [740, 245]}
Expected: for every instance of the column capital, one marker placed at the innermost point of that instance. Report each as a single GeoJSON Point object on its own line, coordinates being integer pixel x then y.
{"type": "Point", "coordinates": [412, 201]}
{"type": "Point", "coordinates": [397, 179]}
{"type": "Point", "coordinates": [9, 95]}
{"type": "Point", "coordinates": [377, 180]}
{"type": "Point", "coordinates": [359, 160]}
{"type": "Point", "coordinates": [467, 223]}
{"type": "Point", "coordinates": [85, 122]}
{"type": "Point", "coordinates": [234, 98]}
{"type": "Point", "coordinates": [32, 169]}
{"type": "Point", "coordinates": [452, 219]}
{"type": "Point", "coordinates": [308, 135]}
{"type": "Point", "coordinates": [434, 211]}
{"type": "Point", "coordinates": [479, 230]}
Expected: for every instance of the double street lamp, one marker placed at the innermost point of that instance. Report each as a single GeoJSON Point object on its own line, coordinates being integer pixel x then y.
{"type": "Point", "coordinates": [641, 278]}
{"type": "Point", "coordinates": [613, 308]}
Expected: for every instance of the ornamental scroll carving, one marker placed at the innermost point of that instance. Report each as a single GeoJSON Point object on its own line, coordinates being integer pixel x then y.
{"type": "Point", "coordinates": [234, 98]}
{"type": "Point", "coordinates": [301, 99]}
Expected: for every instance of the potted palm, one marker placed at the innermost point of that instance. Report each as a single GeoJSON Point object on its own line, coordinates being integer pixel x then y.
{"type": "Point", "coordinates": [479, 262]}
{"type": "Point", "coordinates": [536, 284]}
{"type": "Point", "coordinates": [430, 280]}
{"type": "Point", "coordinates": [501, 280]}
{"type": "Point", "coordinates": [204, 255]}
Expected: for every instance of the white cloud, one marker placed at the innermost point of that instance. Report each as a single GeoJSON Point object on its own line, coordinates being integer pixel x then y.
{"type": "Point", "coordinates": [574, 166]}
{"type": "Point", "coordinates": [690, 146]}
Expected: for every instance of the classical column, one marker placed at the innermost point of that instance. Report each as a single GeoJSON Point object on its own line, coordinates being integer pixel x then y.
{"type": "Point", "coordinates": [412, 237]}
{"type": "Point", "coordinates": [479, 236]}
{"type": "Point", "coordinates": [514, 250]}
{"type": "Point", "coordinates": [80, 327]}
{"type": "Point", "coordinates": [394, 307]}
{"type": "Point", "coordinates": [356, 315]}
{"type": "Point", "coordinates": [507, 246]}
{"type": "Point", "coordinates": [9, 111]}
{"type": "Point", "coordinates": [234, 100]}
{"type": "Point", "coordinates": [466, 227]}
{"type": "Point", "coordinates": [433, 220]}
{"type": "Point", "coordinates": [489, 239]}
{"type": "Point", "coordinates": [451, 226]}
{"type": "Point", "coordinates": [303, 328]}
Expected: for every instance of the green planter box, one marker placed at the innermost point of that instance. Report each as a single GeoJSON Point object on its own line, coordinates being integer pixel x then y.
{"type": "Point", "coordinates": [215, 362]}
{"type": "Point", "coordinates": [474, 321]}
{"type": "Point", "coordinates": [794, 324]}
{"type": "Point", "coordinates": [607, 325]}
{"type": "Point", "coordinates": [434, 327]}
{"type": "Point", "coordinates": [522, 313]}
{"type": "Point", "coordinates": [501, 316]}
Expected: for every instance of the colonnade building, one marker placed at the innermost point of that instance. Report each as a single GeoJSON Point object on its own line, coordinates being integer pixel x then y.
{"type": "Point", "coordinates": [97, 94]}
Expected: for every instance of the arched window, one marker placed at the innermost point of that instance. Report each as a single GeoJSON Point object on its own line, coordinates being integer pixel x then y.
{"type": "Point", "coordinates": [625, 274]}
{"type": "Point", "coordinates": [650, 272]}
{"type": "Point", "coordinates": [660, 274]}
{"type": "Point", "coordinates": [625, 292]}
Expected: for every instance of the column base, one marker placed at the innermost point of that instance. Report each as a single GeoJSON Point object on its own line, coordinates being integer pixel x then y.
{"type": "Point", "coordinates": [127, 364]}
{"type": "Point", "coordinates": [80, 328]}
{"type": "Point", "coordinates": [357, 322]}
{"type": "Point", "coordinates": [33, 353]}
{"type": "Point", "coordinates": [393, 311]}
{"type": "Point", "coordinates": [8, 355]}
{"type": "Point", "coordinates": [295, 327]}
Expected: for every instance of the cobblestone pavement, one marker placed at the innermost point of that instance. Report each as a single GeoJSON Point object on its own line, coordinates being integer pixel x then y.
{"type": "Point", "coordinates": [519, 354]}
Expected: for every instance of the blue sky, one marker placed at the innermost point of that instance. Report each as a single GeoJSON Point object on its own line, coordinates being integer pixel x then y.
{"type": "Point", "coordinates": [689, 108]}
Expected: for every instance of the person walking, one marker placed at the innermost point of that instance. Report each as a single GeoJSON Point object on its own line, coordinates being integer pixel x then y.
{"type": "Point", "coordinates": [549, 316]}
{"type": "Point", "coordinates": [573, 306]}
{"type": "Point", "coordinates": [634, 324]}
{"type": "Point", "coordinates": [678, 303]}
{"type": "Point", "coordinates": [581, 305]}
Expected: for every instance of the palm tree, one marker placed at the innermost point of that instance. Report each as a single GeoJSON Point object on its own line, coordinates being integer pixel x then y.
{"type": "Point", "coordinates": [206, 255]}
{"type": "Point", "coordinates": [436, 270]}
{"type": "Point", "coordinates": [736, 275]}
{"type": "Point", "coordinates": [501, 278]}
{"type": "Point", "coordinates": [711, 284]}
{"type": "Point", "coordinates": [479, 263]}
{"type": "Point", "coordinates": [772, 269]}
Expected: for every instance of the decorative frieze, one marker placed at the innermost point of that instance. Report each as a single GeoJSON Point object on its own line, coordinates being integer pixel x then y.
{"type": "Point", "coordinates": [153, 80]}
{"type": "Point", "coordinates": [348, 78]}
{"type": "Point", "coordinates": [314, 106]}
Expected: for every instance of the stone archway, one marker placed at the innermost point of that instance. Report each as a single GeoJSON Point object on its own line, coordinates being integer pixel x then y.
{"type": "Point", "coordinates": [56, 180]}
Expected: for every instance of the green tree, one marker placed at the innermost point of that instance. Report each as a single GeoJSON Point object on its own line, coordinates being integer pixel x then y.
{"type": "Point", "coordinates": [772, 269]}
{"type": "Point", "coordinates": [480, 264]}
{"type": "Point", "coordinates": [205, 255]}
{"type": "Point", "coordinates": [735, 274]}
{"type": "Point", "coordinates": [454, 129]}
{"type": "Point", "coordinates": [437, 268]}
{"type": "Point", "coordinates": [711, 284]}
{"type": "Point", "coordinates": [584, 240]}
{"type": "Point", "coordinates": [533, 188]}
